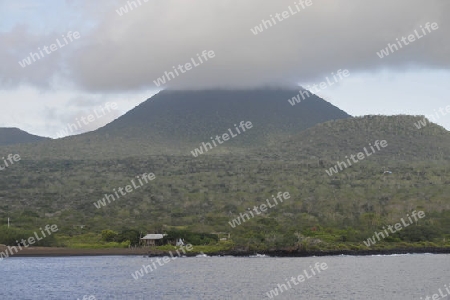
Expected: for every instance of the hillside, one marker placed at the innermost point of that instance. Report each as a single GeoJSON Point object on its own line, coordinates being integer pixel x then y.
{"type": "Point", "coordinates": [176, 122]}
{"type": "Point", "coordinates": [333, 140]}
{"type": "Point", "coordinates": [203, 194]}
{"type": "Point", "coordinates": [11, 136]}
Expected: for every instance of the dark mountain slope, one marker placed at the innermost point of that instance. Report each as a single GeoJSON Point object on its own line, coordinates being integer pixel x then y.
{"type": "Point", "coordinates": [196, 115]}
{"type": "Point", "coordinates": [11, 136]}
{"type": "Point", "coordinates": [176, 122]}
{"type": "Point", "coordinates": [336, 139]}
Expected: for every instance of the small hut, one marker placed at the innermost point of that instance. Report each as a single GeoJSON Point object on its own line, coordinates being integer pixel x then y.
{"type": "Point", "coordinates": [152, 239]}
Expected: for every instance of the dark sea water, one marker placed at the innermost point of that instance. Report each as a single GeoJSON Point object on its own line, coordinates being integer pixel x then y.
{"type": "Point", "coordinates": [369, 277]}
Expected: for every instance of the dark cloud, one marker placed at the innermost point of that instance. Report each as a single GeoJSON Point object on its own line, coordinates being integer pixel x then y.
{"type": "Point", "coordinates": [130, 52]}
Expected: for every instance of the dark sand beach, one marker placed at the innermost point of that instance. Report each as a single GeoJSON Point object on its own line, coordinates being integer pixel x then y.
{"type": "Point", "coordinates": [52, 252]}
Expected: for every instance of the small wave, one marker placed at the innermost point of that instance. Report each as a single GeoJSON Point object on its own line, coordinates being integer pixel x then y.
{"type": "Point", "coordinates": [387, 255]}
{"type": "Point", "coordinates": [202, 255]}
{"type": "Point", "coordinates": [257, 255]}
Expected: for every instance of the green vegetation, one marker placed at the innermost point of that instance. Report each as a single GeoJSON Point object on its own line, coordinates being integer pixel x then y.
{"type": "Point", "coordinates": [195, 239]}
{"type": "Point", "coordinates": [89, 241]}
{"type": "Point", "coordinates": [9, 236]}
{"type": "Point", "coordinates": [192, 198]}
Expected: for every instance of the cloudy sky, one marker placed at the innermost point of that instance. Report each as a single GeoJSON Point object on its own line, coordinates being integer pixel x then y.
{"type": "Point", "coordinates": [117, 57]}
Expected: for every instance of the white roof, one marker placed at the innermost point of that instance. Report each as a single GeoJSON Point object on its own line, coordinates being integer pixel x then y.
{"type": "Point", "coordinates": [153, 236]}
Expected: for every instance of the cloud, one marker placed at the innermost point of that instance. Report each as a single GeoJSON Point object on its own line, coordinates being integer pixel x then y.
{"type": "Point", "coordinates": [20, 42]}
{"type": "Point", "coordinates": [127, 53]}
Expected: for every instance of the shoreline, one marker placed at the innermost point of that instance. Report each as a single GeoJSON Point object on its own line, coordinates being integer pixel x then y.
{"type": "Point", "coordinates": [63, 252]}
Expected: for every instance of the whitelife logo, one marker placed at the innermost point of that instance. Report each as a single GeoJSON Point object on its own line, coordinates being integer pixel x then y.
{"type": "Point", "coordinates": [31, 240]}
{"type": "Point", "coordinates": [48, 50]}
{"type": "Point", "coordinates": [435, 117]}
{"type": "Point", "coordinates": [439, 296]}
{"type": "Point", "coordinates": [391, 48]}
{"type": "Point", "coordinates": [11, 158]}
{"type": "Point", "coordinates": [243, 125]}
{"type": "Point", "coordinates": [323, 85]}
{"type": "Point", "coordinates": [300, 278]}
{"type": "Point", "coordinates": [398, 227]}
{"type": "Point", "coordinates": [266, 24]}
{"type": "Point", "coordinates": [128, 189]}
{"type": "Point", "coordinates": [281, 196]}
{"type": "Point", "coordinates": [129, 7]}
{"type": "Point", "coordinates": [168, 76]}
{"type": "Point", "coordinates": [99, 112]}
{"type": "Point", "coordinates": [161, 262]}
{"type": "Point", "coordinates": [342, 165]}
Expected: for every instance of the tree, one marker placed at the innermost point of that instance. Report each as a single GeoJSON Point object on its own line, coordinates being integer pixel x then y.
{"type": "Point", "coordinates": [109, 235]}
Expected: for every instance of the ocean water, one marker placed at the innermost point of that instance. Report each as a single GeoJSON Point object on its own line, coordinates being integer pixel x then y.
{"type": "Point", "coordinates": [346, 277]}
